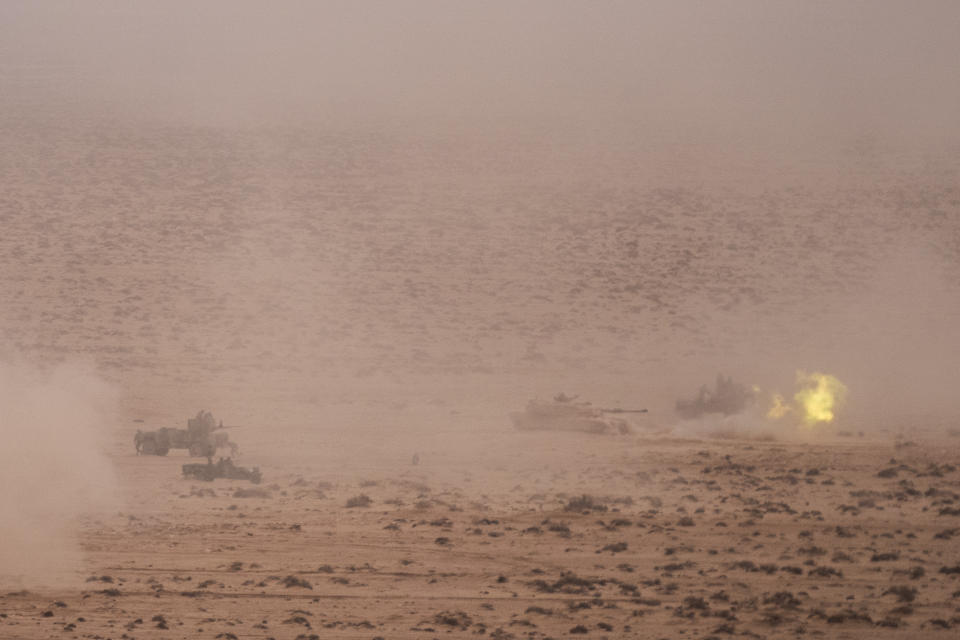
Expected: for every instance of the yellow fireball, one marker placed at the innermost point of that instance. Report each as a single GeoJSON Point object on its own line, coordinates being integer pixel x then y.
{"type": "Point", "coordinates": [819, 397]}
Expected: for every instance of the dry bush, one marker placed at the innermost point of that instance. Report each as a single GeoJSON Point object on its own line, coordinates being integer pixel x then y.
{"type": "Point", "coordinates": [251, 493]}
{"type": "Point", "coordinates": [362, 500]}
{"type": "Point", "coordinates": [293, 581]}
{"type": "Point", "coordinates": [585, 503]}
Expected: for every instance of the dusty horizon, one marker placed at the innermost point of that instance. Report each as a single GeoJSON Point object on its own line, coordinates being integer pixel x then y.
{"type": "Point", "coordinates": [737, 72]}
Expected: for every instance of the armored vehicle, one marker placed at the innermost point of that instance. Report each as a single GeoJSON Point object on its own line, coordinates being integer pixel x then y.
{"type": "Point", "coordinates": [564, 413]}
{"type": "Point", "coordinates": [202, 437]}
{"type": "Point", "coordinates": [223, 468]}
{"type": "Point", "coordinates": [726, 398]}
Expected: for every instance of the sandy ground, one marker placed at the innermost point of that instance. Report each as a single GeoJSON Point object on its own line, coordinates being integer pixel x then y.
{"type": "Point", "coordinates": [677, 538]}
{"type": "Point", "coordinates": [349, 301]}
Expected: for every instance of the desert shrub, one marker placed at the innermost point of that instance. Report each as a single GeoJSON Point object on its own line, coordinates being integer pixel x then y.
{"type": "Point", "coordinates": [251, 493]}
{"type": "Point", "coordinates": [903, 593]}
{"type": "Point", "coordinates": [585, 503]}
{"type": "Point", "coordinates": [294, 581]}
{"type": "Point", "coordinates": [784, 599]}
{"type": "Point", "coordinates": [453, 619]}
{"type": "Point", "coordinates": [540, 610]}
{"type": "Point", "coordinates": [558, 527]}
{"type": "Point", "coordinates": [362, 500]}
{"type": "Point", "coordinates": [567, 583]}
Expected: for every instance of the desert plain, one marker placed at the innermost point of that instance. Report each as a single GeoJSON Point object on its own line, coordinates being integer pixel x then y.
{"type": "Point", "coordinates": [363, 236]}
{"type": "Point", "coordinates": [649, 538]}
{"type": "Point", "coordinates": [307, 302]}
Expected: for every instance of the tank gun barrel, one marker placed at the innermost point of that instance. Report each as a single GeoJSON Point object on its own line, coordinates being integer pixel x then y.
{"type": "Point", "coordinates": [618, 410]}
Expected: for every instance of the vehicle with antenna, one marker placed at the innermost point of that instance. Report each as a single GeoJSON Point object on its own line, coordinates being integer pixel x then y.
{"type": "Point", "coordinates": [202, 438]}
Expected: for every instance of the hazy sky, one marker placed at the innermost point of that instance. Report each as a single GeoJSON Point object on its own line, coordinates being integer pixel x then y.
{"type": "Point", "coordinates": [739, 67]}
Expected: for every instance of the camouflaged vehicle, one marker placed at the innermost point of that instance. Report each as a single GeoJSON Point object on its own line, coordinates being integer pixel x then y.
{"type": "Point", "coordinates": [202, 438]}
{"type": "Point", "coordinates": [223, 468]}
{"type": "Point", "coordinates": [564, 413]}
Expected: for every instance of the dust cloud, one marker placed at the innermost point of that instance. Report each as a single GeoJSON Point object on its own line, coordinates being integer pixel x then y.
{"type": "Point", "coordinates": [55, 426]}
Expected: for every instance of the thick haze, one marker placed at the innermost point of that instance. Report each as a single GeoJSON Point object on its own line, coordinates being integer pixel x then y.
{"type": "Point", "coordinates": [365, 234]}
{"type": "Point", "coordinates": [746, 71]}
{"type": "Point", "coordinates": [323, 199]}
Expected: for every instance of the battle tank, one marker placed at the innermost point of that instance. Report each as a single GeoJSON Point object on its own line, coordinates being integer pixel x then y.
{"type": "Point", "coordinates": [201, 438]}
{"type": "Point", "coordinates": [565, 414]}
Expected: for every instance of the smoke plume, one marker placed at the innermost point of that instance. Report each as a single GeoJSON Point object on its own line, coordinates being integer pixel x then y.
{"type": "Point", "coordinates": [52, 468]}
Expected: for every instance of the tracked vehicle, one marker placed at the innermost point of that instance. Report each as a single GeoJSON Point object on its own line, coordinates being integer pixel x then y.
{"type": "Point", "coordinates": [564, 413]}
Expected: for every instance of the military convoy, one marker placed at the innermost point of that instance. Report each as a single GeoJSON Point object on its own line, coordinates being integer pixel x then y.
{"type": "Point", "coordinates": [566, 414]}
{"type": "Point", "coordinates": [202, 438]}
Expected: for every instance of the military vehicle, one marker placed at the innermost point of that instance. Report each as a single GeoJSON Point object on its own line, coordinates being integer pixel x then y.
{"type": "Point", "coordinates": [564, 413]}
{"type": "Point", "coordinates": [223, 468]}
{"type": "Point", "coordinates": [726, 398]}
{"type": "Point", "coordinates": [202, 437]}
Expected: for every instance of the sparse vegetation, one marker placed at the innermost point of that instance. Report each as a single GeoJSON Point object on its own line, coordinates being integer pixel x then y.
{"type": "Point", "coordinates": [254, 492]}
{"type": "Point", "coordinates": [457, 619]}
{"type": "Point", "coordinates": [567, 583]}
{"type": "Point", "coordinates": [294, 581]}
{"type": "Point", "coordinates": [903, 593]}
{"type": "Point", "coordinates": [585, 503]}
{"type": "Point", "coordinates": [362, 500]}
